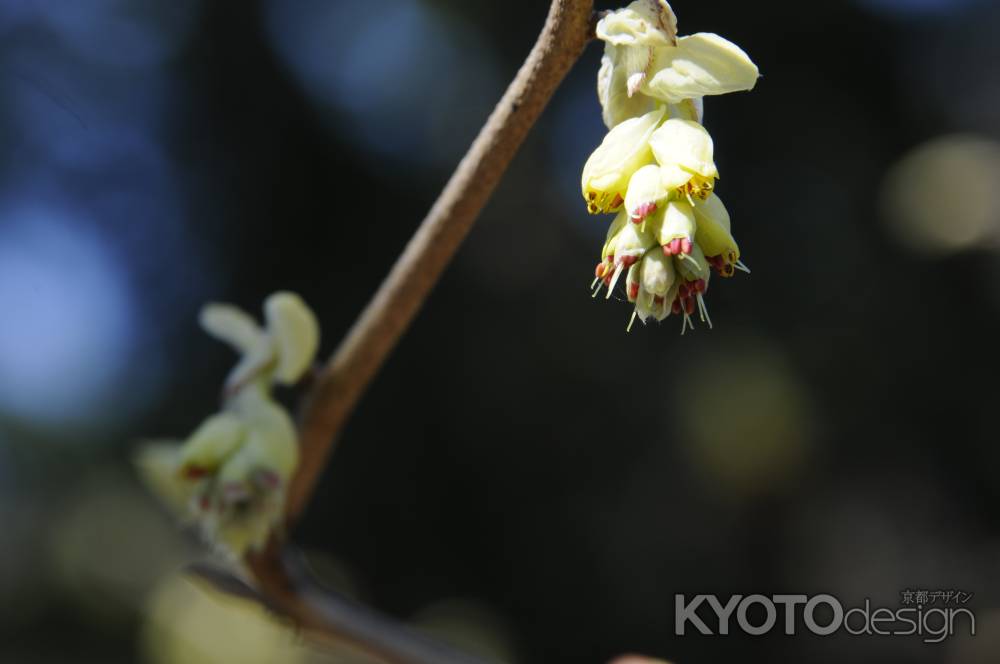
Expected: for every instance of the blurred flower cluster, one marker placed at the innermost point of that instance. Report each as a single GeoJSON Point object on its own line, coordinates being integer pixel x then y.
{"type": "Point", "coordinates": [231, 474]}
{"type": "Point", "coordinates": [655, 168]}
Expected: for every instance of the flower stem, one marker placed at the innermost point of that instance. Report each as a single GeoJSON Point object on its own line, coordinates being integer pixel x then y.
{"type": "Point", "coordinates": [341, 382]}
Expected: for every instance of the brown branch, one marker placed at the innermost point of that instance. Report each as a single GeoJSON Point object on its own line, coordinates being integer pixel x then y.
{"type": "Point", "coordinates": [567, 31]}
{"type": "Point", "coordinates": [286, 588]}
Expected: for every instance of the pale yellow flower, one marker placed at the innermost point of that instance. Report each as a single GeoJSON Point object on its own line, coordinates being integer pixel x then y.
{"type": "Point", "coordinates": [645, 194]}
{"type": "Point", "coordinates": [230, 476]}
{"type": "Point", "coordinates": [644, 63]}
{"type": "Point", "coordinates": [656, 167]}
{"type": "Point", "coordinates": [675, 231]}
{"type": "Point", "coordinates": [624, 150]}
{"type": "Point", "coordinates": [626, 244]}
{"type": "Point", "coordinates": [648, 284]}
{"type": "Point", "coordinates": [715, 236]}
{"type": "Point", "coordinates": [684, 151]}
{"type": "Point", "coordinates": [631, 37]}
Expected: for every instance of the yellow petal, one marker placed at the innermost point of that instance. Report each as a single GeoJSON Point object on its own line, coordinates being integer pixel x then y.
{"type": "Point", "coordinates": [714, 234]}
{"type": "Point", "coordinates": [644, 189]}
{"type": "Point", "coordinates": [677, 223]}
{"type": "Point", "coordinates": [609, 241]}
{"type": "Point", "coordinates": [684, 144]}
{"type": "Point", "coordinates": [613, 92]}
{"type": "Point", "coordinates": [642, 23]}
{"type": "Point", "coordinates": [232, 325]}
{"type": "Point", "coordinates": [158, 464]}
{"type": "Point", "coordinates": [295, 334]}
{"type": "Point", "coordinates": [212, 442]}
{"type": "Point", "coordinates": [700, 64]}
{"type": "Point", "coordinates": [632, 241]}
{"type": "Point", "coordinates": [714, 211]}
{"type": "Point", "coordinates": [624, 150]}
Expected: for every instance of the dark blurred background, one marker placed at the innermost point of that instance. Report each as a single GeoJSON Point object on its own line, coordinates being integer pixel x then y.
{"type": "Point", "coordinates": [523, 477]}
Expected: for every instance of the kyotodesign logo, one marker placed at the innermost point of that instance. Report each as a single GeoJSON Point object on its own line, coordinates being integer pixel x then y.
{"type": "Point", "coordinates": [931, 615]}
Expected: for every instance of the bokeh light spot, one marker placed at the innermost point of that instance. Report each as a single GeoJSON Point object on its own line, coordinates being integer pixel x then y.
{"type": "Point", "coordinates": [745, 420]}
{"type": "Point", "coordinates": [381, 69]}
{"type": "Point", "coordinates": [67, 314]}
{"type": "Point", "coordinates": [943, 196]}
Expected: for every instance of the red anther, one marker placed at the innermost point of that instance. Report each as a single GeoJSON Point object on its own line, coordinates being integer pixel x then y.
{"type": "Point", "coordinates": [689, 305]}
{"type": "Point", "coordinates": [617, 201]}
{"type": "Point", "coordinates": [643, 211]}
{"type": "Point", "coordinates": [658, 299]}
{"type": "Point", "coordinates": [234, 492]}
{"type": "Point", "coordinates": [699, 286]}
{"type": "Point", "coordinates": [628, 261]}
{"type": "Point", "coordinates": [666, 250]}
{"type": "Point", "coordinates": [599, 270]}
{"type": "Point", "coordinates": [204, 503]}
{"type": "Point", "coordinates": [675, 306]}
{"type": "Point", "coordinates": [683, 291]}
{"type": "Point", "coordinates": [267, 479]}
{"type": "Point", "coordinates": [675, 246]}
{"type": "Point", "coordinates": [607, 278]}
{"type": "Point", "coordinates": [633, 290]}
{"type": "Point", "coordinates": [685, 246]}
{"type": "Point", "coordinates": [715, 261]}
{"type": "Point", "coordinates": [194, 472]}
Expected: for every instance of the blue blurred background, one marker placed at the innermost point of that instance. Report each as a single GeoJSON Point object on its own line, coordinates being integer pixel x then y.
{"type": "Point", "coordinates": [523, 478]}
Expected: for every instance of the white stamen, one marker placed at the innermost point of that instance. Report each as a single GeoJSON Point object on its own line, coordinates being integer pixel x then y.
{"type": "Point", "coordinates": [596, 290]}
{"type": "Point", "coordinates": [594, 282]}
{"type": "Point", "coordinates": [741, 267]}
{"type": "Point", "coordinates": [630, 321]}
{"type": "Point", "coordinates": [614, 280]}
{"type": "Point", "coordinates": [704, 311]}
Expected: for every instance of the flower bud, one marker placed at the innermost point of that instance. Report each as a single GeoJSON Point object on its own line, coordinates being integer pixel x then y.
{"type": "Point", "coordinates": [656, 273]}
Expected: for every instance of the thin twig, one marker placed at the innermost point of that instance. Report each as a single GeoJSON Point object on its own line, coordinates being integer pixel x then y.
{"type": "Point", "coordinates": [567, 31]}
{"type": "Point", "coordinates": [340, 384]}
{"type": "Point", "coordinates": [324, 613]}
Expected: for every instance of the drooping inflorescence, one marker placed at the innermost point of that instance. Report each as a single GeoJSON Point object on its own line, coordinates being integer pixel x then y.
{"type": "Point", "coordinates": [231, 475]}
{"type": "Point", "coordinates": [655, 169]}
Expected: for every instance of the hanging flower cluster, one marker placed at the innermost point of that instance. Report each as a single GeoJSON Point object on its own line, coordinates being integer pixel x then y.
{"type": "Point", "coordinates": [230, 476]}
{"type": "Point", "coordinates": [655, 169]}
